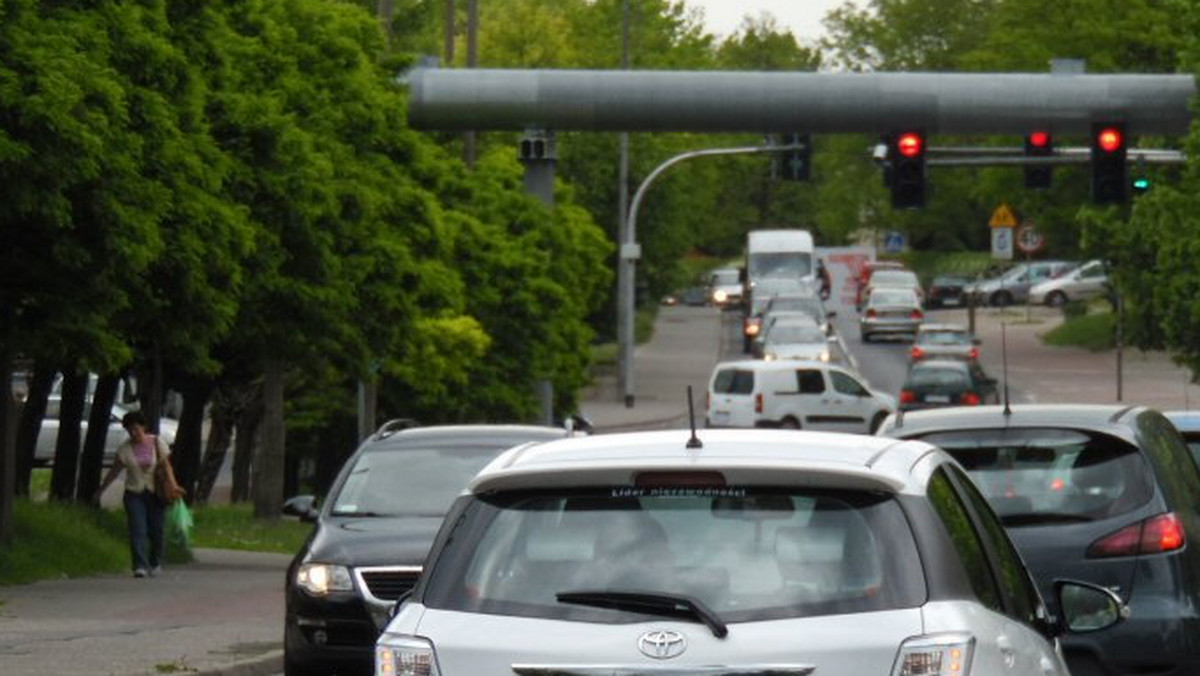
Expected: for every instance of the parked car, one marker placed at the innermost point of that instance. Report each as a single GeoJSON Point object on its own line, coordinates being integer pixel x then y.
{"type": "Point", "coordinates": [890, 311]}
{"type": "Point", "coordinates": [1088, 281]}
{"type": "Point", "coordinates": [943, 341]}
{"type": "Point", "coordinates": [946, 382]}
{"type": "Point", "coordinates": [47, 440]}
{"type": "Point", "coordinates": [794, 394]}
{"type": "Point", "coordinates": [947, 291]}
{"type": "Point", "coordinates": [732, 552]}
{"type": "Point", "coordinates": [725, 287]}
{"type": "Point", "coordinates": [1188, 424]}
{"type": "Point", "coordinates": [799, 338]}
{"type": "Point", "coordinates": [1013, 286]}
{"type": "Point", "coordinates": [371, 536]}
{"type": "Point", "coordinates": [1107, 494]}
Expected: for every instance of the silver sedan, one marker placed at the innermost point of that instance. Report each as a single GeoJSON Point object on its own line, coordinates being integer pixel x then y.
{"type": "Point", "coordinates": [890, 311]}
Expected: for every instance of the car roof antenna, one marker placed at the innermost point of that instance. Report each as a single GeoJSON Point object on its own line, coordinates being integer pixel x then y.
{"type": "Point", "coordinates": [694, 442]}
{"type": "Point", "coordinates": [1004, 362]}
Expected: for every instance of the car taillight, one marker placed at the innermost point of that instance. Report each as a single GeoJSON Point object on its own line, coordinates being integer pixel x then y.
{"type": "Point", "coordinates": [916, 314]}
{"type": "Point", "coordinates": [758, 403]}
{"type": "Point", "coordinates": [871, 313]}
{"type": "Point", "coordinates": [935, 655]}
{"type": "Point", "coordinates": [752, 327]}
{"type": "Point", "coordinates": [1156, 535]}
{"type": "Point", "coordinates": [908, 397]}
{"type": "Point", "coordinates": [973, 353]}
{"type": "Point", "coordinates": [969, 399]}
{"type": "Point", "coordinates": [917, 353]}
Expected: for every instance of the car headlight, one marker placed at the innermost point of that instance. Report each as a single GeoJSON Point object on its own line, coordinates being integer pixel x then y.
{"type": "Point", "coordinates": [935, 655]}
{"type": "Point", "coordinates": [769, 356]}
{"type": "Point", "coordinates": [322, 578]}
{"type": "Point", "coordinates": [720, 296]}
{"type": "Point", "coordinates": [824, 356]}
{"type": "Point", "coordinates": [404, 656]}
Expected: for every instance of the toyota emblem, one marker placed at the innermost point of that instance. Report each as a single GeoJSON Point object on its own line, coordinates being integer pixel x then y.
{"type": "Point", "coordinates": [662, 644]}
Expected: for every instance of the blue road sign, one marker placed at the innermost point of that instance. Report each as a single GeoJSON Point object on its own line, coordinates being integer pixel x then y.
{"type": "Point", "coordinates": [893, 242]}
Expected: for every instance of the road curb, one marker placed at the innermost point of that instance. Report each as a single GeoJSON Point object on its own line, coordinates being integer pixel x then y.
{"type": "Point", "coordinates": [264, 665]}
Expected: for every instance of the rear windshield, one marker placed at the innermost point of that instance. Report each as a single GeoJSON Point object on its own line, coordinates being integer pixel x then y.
{"type": "Point", "coordinates": [885, 296]}
{"type": "Point", "coordinates": [944, 338]}
{"type": "Point", "coordinates": [795, 333]}
{"type": "Point", "coordinates": [746, 553]}
{"type": "Point", "coordinates": [734, 381]}
{"type": "Point", "coordinates": [936, 378]}
{"type": "Point", "coordinates": [893, 277]}
{"type": "Point", "coordinates": [1034, 476]}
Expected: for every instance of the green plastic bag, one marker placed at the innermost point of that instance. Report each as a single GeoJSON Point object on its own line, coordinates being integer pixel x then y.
{"type": "Point", "coordinates": [179, 525]}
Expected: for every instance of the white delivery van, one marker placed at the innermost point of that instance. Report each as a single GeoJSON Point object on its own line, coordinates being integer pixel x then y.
{"type": "Point", "coordinates": [781, 254]}
{"type": "Point", "coordinates": [794, 394]}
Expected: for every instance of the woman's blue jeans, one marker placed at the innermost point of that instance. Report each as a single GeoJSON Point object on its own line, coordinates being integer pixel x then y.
{"type": "Point", "coordinates": [144, 514]}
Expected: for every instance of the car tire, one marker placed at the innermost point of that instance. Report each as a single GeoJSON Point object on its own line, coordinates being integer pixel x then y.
{"type": "Point", "coordinates": [293, 668]}
{"type": "Point", "coordinates": [789, 423]}
{"type": "Point", "coordinates": [1056, 299]}
{"type": "Point", "coordinates": [1001, 299]}
{"type": "Point", "coordinates": [866, 338]}
{"type": "Point", "coordinates": [877, 421]}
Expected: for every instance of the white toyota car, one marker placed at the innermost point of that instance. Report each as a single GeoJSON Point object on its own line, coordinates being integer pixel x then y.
{"type": "Point", "coordinates": [748, 552]}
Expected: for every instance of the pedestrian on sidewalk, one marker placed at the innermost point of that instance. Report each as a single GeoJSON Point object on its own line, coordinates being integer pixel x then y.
{"type": "Point", "coordinates": [144, 510]}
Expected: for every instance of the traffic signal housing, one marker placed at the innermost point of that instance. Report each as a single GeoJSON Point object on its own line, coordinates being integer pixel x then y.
{"type": "Point", "coordinates": [1038, 144]}
{"type": "Point", "coordinates": [906, 160]}
{"type": "Point", "coordinates": [1110, 182]}
{"type": "Point", "coordinates": [797, 163]}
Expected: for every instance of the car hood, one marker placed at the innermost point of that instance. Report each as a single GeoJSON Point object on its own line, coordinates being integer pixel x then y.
{"type": "Point", "coordinates": [373, 541]}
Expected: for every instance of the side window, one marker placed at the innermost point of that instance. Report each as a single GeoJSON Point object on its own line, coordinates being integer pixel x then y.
{"type": "Point", "coordinates": [811, 381]}
{"type": "Point", "coordinates": [847, 385]}
{"type": "Point", "coordinates": [1023, 599]}
{"type": "Point", "coordinates": [949, 507]}
{"type": "Point", "coordinates": [1168, 453]}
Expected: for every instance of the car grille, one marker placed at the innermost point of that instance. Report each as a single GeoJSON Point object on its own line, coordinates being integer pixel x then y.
{"type": "Point", "coordinates": [387, 584]}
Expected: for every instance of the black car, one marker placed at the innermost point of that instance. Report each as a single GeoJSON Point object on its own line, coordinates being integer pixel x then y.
{"type": "Point", "coordinates": [932, 383]}
{"type": "Point", "coordinates": [371, 536]}
{"type": "Point", "coordinates": [1105, 494]}
{"type": "Point", "coordinates": [947, 291]}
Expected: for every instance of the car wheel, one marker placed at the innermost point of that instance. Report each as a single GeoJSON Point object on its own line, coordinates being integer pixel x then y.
{"type": "Point", "coordinates": [877, 421]}
{"type": "Point", "coordinates": [293, 668]}
{"type": "Point", "coordinates": [1056, 299]}
{"type": "Point", "coordinates": [1001, 299]}
{"type": "Point", "coordinates": [789, 423]}
{"type": "Point", "coordinates": [866, 337]}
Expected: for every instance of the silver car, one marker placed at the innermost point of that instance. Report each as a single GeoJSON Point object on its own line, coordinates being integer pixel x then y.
{"type": "Point", "coordinates": [890, 311]}
{"type": "Point", "coordinates": [800, 338]}
{"type": "Point", "coordinates": [725, 552]}
{"type": "Point", "coordinates": [1013, 286]}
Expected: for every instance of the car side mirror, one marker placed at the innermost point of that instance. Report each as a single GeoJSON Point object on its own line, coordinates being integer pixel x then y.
{"type": "Point", "coordinates": [1088, 607]}
{"type": "Point", "coordinates": [302, 506]}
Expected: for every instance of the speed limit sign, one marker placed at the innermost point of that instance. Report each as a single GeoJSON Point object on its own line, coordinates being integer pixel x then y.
{"type": "Point", "coordinates": [1029, 240]}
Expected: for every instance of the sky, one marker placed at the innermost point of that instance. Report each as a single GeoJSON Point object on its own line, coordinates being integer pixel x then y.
{"type": "Point", "coordinates": [803, 17]}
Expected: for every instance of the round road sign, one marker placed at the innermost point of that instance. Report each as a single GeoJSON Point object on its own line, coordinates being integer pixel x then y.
{"type": "Point", "coordinates": [1029, 240]}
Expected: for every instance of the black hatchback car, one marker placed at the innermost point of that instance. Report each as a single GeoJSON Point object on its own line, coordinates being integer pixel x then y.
{"type": "Point", "coordinates": [372, 534]}
{"type": "Point", "coordinates": [1106, 494]}
{"type": "Point", "coordinates": [935, 383]}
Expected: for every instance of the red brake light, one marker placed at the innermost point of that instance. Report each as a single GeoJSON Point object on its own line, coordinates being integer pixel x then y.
{"type": "Point", "coordinates": [917, 314]}
{"type": "Point", "coordinates": [1156, 535]}
{"type": "Point", "coordinates": [871, 313]}
{"type": "Point", "coordinates": [917, 353]}
{"type": "Point", "coordinates": [908, 397]}
{"type": "Point", "coordinates": [970, 399]}
{"type": "Point", "coordinates": [758, 403]}
{"type": "Point", "coordinates": [1039, 139]}
{"type": "Point", "coordinates": [1110, 139]}
{"type": "Point", "coordinates": [973, 353]}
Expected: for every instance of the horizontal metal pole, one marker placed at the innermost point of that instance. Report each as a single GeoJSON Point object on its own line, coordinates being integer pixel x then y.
{"type": "Point", "coordinates": [1005, 157]}
{"type": "Point", "coordinates": [800, 102]}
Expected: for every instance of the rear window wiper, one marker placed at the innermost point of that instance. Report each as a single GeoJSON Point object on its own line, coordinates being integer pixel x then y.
{"type": "Point", "coordinates": [650, 603]}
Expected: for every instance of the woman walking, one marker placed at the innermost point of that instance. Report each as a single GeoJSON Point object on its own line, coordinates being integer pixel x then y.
{"type": "Point", "coordinates": [138, 456]}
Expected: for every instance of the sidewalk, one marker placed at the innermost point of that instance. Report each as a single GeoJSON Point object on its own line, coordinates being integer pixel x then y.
{"type": "Point", "coordinates": [223, 614]}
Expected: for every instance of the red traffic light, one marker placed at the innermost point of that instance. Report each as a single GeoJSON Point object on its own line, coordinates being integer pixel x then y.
{"type": "Point", "coordinates": [1110, 139]}
{"type": "Point", "coordinates": [910, 144]}
{"type": "Point", "coordinates": [1039, 139]}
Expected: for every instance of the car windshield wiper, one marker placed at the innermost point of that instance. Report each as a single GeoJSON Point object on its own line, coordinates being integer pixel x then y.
{"type": "Point", "coordinates": [1035, 518]}
{"type": "Point", "coordinates": [651, 603]}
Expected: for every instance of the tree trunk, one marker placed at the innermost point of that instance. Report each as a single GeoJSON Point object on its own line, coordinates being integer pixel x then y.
{"type": "Point", "coordinates": [66, 449]}
{"type": "Point", "coordinates": [8, 453]}
{"type": "Point", "coordinates": [91, 463]}
{"type": "Point", "coordinates": [245, 443]}
{"type": "Point", "coordinates": [268, 462]}
{"type": "Point", "coordinates": [30, 424]}
{"type": "Point", "coordinates": [185, 457]}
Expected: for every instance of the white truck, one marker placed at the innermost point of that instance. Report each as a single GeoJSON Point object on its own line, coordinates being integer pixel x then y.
{"type": "Point", "coordinates": [776, 261]}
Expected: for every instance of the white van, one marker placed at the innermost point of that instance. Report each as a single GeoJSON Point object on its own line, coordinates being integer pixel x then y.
{"type": "Point", "coordinates": [794, 394]}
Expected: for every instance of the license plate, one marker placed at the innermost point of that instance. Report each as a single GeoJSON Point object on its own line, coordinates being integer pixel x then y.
{"type": "Point", "coordinates": [720, 417]}
{"type": "Point", "coordinates": [950, 301]}
{"type": "Point", "coordinates": [937, 398]}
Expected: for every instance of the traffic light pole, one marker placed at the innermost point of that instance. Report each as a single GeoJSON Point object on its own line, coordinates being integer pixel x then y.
{"type": "Point", "coordinates": [631, 251]}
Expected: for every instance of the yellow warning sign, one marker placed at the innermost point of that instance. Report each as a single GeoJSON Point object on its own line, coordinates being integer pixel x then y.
{"type": "Point", "coordinates": [1003, 217]}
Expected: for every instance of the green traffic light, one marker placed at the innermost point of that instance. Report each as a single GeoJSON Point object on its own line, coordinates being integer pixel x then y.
{"type": "Point", "coordinates": [1141, 183]}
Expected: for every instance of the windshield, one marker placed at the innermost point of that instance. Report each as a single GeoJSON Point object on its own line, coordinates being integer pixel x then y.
{"type": "Point", "coordinates": [725, 278]}
{"type": "Point", "coordinates": [411, 481]}
{"type": "Point", "coordinates": [795, 333]}
{"type": "Point", "coordinates": [734, 381]}
{"type": "Point", "coordinates": [780, 264]}
{"type": "Point", "coordinates": [1033, 476]}
{"type": "Point", "coordinates": [744, 554]}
